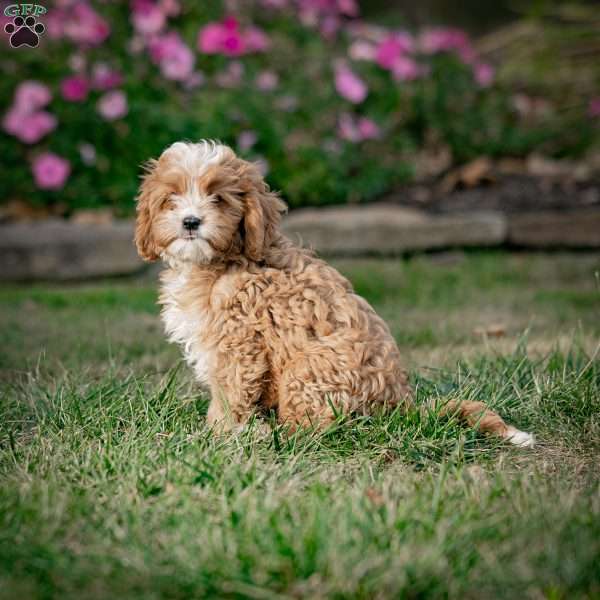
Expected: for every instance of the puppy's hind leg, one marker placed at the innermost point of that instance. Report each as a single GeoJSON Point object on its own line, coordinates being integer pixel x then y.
{"type": "Point", "coordinates": [305, 399]}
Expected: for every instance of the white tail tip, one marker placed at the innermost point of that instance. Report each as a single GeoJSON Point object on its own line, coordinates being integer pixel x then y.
{"type": "Point", "coordinates": [520, 438]}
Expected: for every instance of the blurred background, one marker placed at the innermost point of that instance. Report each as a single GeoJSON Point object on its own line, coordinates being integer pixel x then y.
{"type": "Point", "coordinates": [339, 101]}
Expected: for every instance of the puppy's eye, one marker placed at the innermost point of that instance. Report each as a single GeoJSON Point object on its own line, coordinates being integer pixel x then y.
{"type": "Point", "coordinates": [216, 199]}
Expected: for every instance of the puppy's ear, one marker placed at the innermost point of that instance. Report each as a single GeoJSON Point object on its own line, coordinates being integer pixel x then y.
{"type": "Point", "coordinates": [254, 227]}
{"type": "Point", "coordinates": [262, 215]}
{"type": "Point", "coordinates": [147, 201]}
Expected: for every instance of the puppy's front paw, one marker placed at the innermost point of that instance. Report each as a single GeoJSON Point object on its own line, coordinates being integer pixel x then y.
{"type": "Point", "coordinates": [258, 430]}
{"type": "Point", "coordinates": [261, 430]}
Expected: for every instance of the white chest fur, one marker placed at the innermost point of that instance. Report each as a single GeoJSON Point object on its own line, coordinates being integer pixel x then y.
{"type": "Point", "coordinates": [185, 323]}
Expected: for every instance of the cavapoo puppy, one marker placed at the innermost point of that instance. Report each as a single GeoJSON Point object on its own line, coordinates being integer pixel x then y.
{"type": "Point", "coordinates": [262, 322]}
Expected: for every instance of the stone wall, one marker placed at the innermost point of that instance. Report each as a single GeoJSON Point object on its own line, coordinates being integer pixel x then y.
{"type": "Point", "coordinates": [56, 249]}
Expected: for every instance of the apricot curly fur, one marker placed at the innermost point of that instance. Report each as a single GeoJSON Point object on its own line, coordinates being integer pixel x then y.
{"type": "Point", "coordinates": [265, 323]}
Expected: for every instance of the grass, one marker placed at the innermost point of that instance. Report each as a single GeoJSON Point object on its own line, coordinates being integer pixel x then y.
{"type": "Point", "coordinates": [111, 485]}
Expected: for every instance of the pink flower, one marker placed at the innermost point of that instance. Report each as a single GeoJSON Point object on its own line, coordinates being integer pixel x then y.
{"type": "Point", "coordinates": [77, 62]}
{"type": "Point", "coordinates": [266, 81]}
{"type": "Point", "coordinates": [12, 121]}
{"type": "Point", "coordinates": [246, 140]}
{"type": "Point", "coordinates": [448, 39]}
{"type": "Point", "coordinates": [31, 95]}
{"type": "Point", "coordinates": [195, 80]}
{"type": "Point", "coordinates": [467, 54]}
{"type": "Point", "coordinates": [179, 67]}
{"type": "Point", "coordinates": [406, 69]}
{"type": "Point", "coordinates": [29, 128]}
{"type": "Point", "coordinates": [362, 50]}
{"type": "Point", "coordinates": [348, 7]}
{"type": "Point", "coordinates": [349, 85]}
{"type": "Point", "coordinates": [232, 43]}
{"type": "Point", "coordinates": [594, 107]}
{"type": "Point", "coordinates": [442, 39]}
{"type": "Point", "coordinates": [347, 129]}
{"type": "Point", "coordinates": [353, 130]}
{"type": "Point", "coordinates": [308, 13]}
{"type": "Point", "coordinates": [326, 14]}
{"type": "Point", "coordinates": [393, 47]}
{"type": "Point", "coordinates": [277, 4]}
{"type": "Point", "coordinates": [162, 46]}
{"type": "Point", "coordinates": [392, 54]}
{"type": "Point", "coordinates": [55, 23]}
{"type": "Point", "coordinates": [484, 74]}
{"type": "Point", "coordinates": [232, 76]}
{"type": "Point", "coordinates": [171, 8]}
{"type": "Point", "coordinates": [24, 120]}
{"type": "Point", "coordinates": [105, 78]}
{"type": "Point", "coordinates": [329, 25]}
{"type": "Point", "coordinates": [113, 105]}
{"type": "Point", "coordinates": [368, 129]}
{"type": "Point", "coordinates": [175, 58]}
{"type": "Point", "coordinates": [256, 40]}
{"type": "Point", "coordinates": [50, 171]}
{"type": "Point", "coordinates": [84, 25]}
{"type": "Point", "coordinates": [74, 89]}
{"type": "Point", "coordinates": [210, 38]}
{"type": "Point", "coordinates": [147, 17]}
{"type": "Point", "coordinates": [227, 38]}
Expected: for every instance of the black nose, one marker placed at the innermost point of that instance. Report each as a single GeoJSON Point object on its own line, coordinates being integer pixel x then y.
{"type": "Point", "coordinates": [191, 223]}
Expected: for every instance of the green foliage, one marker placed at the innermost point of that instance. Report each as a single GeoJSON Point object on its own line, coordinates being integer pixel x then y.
{"type": "Point", "coordinates": [295, 124]}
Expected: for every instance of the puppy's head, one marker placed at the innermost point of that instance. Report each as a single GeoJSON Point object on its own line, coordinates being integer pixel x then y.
{"type": "Point", "coordinates": [200, 203]}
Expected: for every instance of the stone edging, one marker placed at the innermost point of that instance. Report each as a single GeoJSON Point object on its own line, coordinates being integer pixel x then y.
{"type": "Point", "coordinates": [63, 250]}
{"type": "Point", "coordinates": [385, 229]}
{"type": "Point", "coordinates": [55, 249]}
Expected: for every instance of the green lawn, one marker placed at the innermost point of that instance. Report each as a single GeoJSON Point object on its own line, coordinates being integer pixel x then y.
{"type": "Point", "coordinates": [112, 487]}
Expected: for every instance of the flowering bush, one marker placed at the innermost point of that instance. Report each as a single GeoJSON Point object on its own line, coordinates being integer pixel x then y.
{"type": "Point", "coordinates": [334, 109]}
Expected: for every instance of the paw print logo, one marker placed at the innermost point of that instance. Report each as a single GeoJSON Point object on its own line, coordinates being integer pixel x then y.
{"type": "Point", "coordinates": [24, 32]}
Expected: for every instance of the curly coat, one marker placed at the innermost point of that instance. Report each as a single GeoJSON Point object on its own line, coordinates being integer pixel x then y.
{"type": "Point", "coordinates": [263, 322]}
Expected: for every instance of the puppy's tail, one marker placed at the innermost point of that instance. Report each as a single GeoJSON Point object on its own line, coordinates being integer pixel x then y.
{"type": "Point", "coordinates": [479, 416]}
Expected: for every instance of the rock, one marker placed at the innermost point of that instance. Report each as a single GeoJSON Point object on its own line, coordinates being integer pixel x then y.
{"type": "Point", "coordinates": [100, 216]}
{"type": "Point", "coordinates": [388, 229]}
{"type": "Point", "coordinates": [542, 166]}
{"type": "Point", "coordinates": [55, 249]}
{"type": "Point", "coordinates": [577, 229]}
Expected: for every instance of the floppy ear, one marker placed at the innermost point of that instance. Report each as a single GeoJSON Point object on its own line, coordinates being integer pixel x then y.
{"type": "Point", "coordinates": [147, 199]}
{"type": "Point", "coordinates": [254, 228]}
{"type": "Point", "coordinates": [263, 210]}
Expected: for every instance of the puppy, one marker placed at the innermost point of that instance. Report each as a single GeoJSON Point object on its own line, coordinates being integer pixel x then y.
{"type": "Point", "coordinates": [263, 322]}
